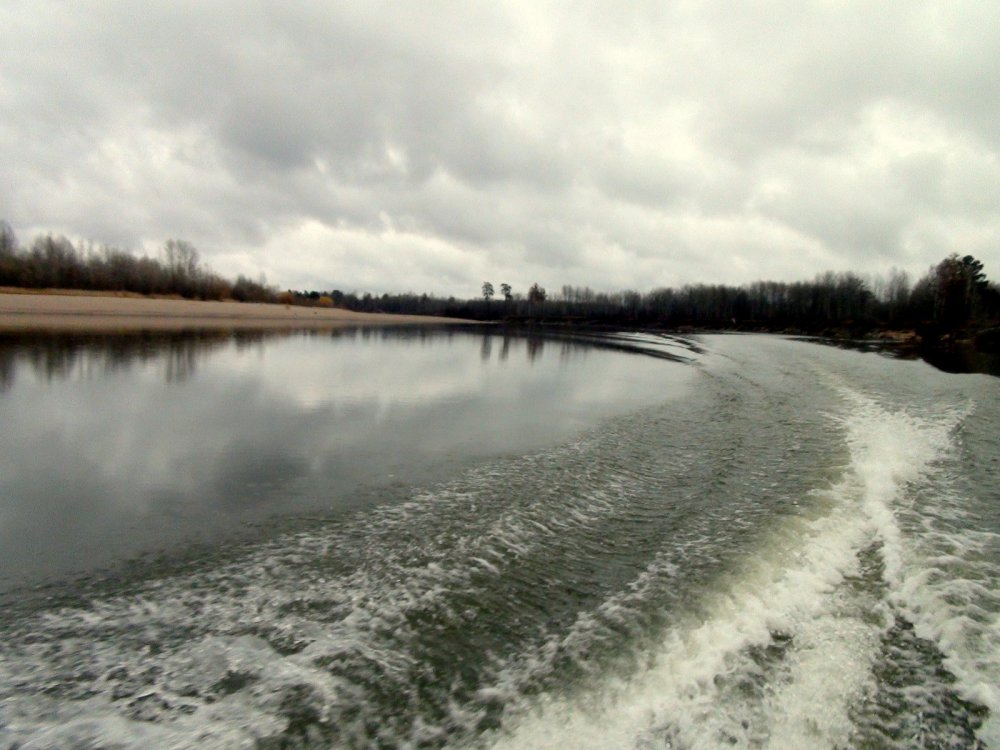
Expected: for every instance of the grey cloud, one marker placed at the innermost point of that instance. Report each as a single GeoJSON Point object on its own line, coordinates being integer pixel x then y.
{"type": "Point", "coordinates": [598, 144]}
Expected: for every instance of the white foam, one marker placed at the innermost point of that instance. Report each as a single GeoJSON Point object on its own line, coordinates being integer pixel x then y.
{"type": "Point", "coordinates": [417, 569]}
{"type": "Point", "coordinates": [685, 691]}
{"type": "Point", "coordinates": [679, 694]}
{"type": "Point", "coordinates": [794, 588]}
{"type": "Point", "coordinates": [938, 576]}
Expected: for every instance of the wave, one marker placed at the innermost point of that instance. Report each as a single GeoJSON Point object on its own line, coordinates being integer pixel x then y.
{"type": "Point", "coordinates": [801, 647]}
{"type": "Point", "coordinates": [752, 566]}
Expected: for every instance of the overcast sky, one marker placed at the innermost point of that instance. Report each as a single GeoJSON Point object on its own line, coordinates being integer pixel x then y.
{"type": "Point", "coordinates": [430, 146]}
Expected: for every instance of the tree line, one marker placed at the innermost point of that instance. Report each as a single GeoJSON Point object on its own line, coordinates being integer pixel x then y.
{"type": "Point", "coordinates": [951, 295]}
{"type": "Point", "coordinates": [55, 262]}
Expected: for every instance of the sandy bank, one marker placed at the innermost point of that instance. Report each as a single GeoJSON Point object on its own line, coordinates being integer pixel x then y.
{"type": "Point", "coordinates": [78, 312]}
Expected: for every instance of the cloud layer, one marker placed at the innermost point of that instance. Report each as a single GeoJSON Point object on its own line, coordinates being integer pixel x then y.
{"type": "Point", "coordinates": [430, 146]}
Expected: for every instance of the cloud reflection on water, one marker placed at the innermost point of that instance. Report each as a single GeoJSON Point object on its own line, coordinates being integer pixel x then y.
{"type": "Point", "coordinates": [116, 445]}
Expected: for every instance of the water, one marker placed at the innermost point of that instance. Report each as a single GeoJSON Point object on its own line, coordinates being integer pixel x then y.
{"type": "Point", "coordinates": [445, 540]}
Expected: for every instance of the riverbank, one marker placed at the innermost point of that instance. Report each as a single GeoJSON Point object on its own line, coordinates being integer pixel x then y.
{"type": "Point", "coordinates": [68, 311]}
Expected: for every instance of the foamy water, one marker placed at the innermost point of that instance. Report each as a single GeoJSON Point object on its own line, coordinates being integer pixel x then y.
{"type": "Point", "coordinates": [797, 552]}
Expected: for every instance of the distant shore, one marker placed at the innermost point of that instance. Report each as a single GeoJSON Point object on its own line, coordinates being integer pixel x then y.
{"type": "Point", "coordinates": [61, 310]}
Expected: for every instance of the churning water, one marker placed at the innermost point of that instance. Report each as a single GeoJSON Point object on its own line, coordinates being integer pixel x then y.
{"type": "Point", "coordinates": [732, 541]}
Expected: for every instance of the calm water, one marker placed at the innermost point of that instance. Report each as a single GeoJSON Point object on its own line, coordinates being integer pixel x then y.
{"type": "Point", "coordinates": [446, 539]}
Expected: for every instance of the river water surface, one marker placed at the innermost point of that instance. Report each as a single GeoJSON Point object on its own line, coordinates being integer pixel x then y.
{"type": "Point", "coordinates": [451, 539]}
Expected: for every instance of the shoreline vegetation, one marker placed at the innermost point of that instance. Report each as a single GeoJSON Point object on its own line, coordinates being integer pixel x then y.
{"type": "Point", "coordinates": [951, 315]}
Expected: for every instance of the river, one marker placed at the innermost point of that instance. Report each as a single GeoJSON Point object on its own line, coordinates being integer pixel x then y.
{"type": "Point", "coordinates": [441, 538]}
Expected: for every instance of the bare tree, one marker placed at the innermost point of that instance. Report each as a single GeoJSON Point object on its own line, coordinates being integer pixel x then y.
{"type": "Point", "coordinates": [9, 265]}
{"type": "Point", "coordinates": [536, 294]}
{"type": "Point", "coordinates": [182, 264]}
{"type": "Point", "coordinates": [8, 240]}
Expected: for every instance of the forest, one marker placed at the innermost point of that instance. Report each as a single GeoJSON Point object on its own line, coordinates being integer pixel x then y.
{"type": "Point", "coordinates": [952, 298]}
{"type": "Point", "coordinates": [54, 262]}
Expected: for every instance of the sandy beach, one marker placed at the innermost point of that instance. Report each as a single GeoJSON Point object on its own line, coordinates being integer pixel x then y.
{"type": "Point", "coordinates": [83, 312]}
